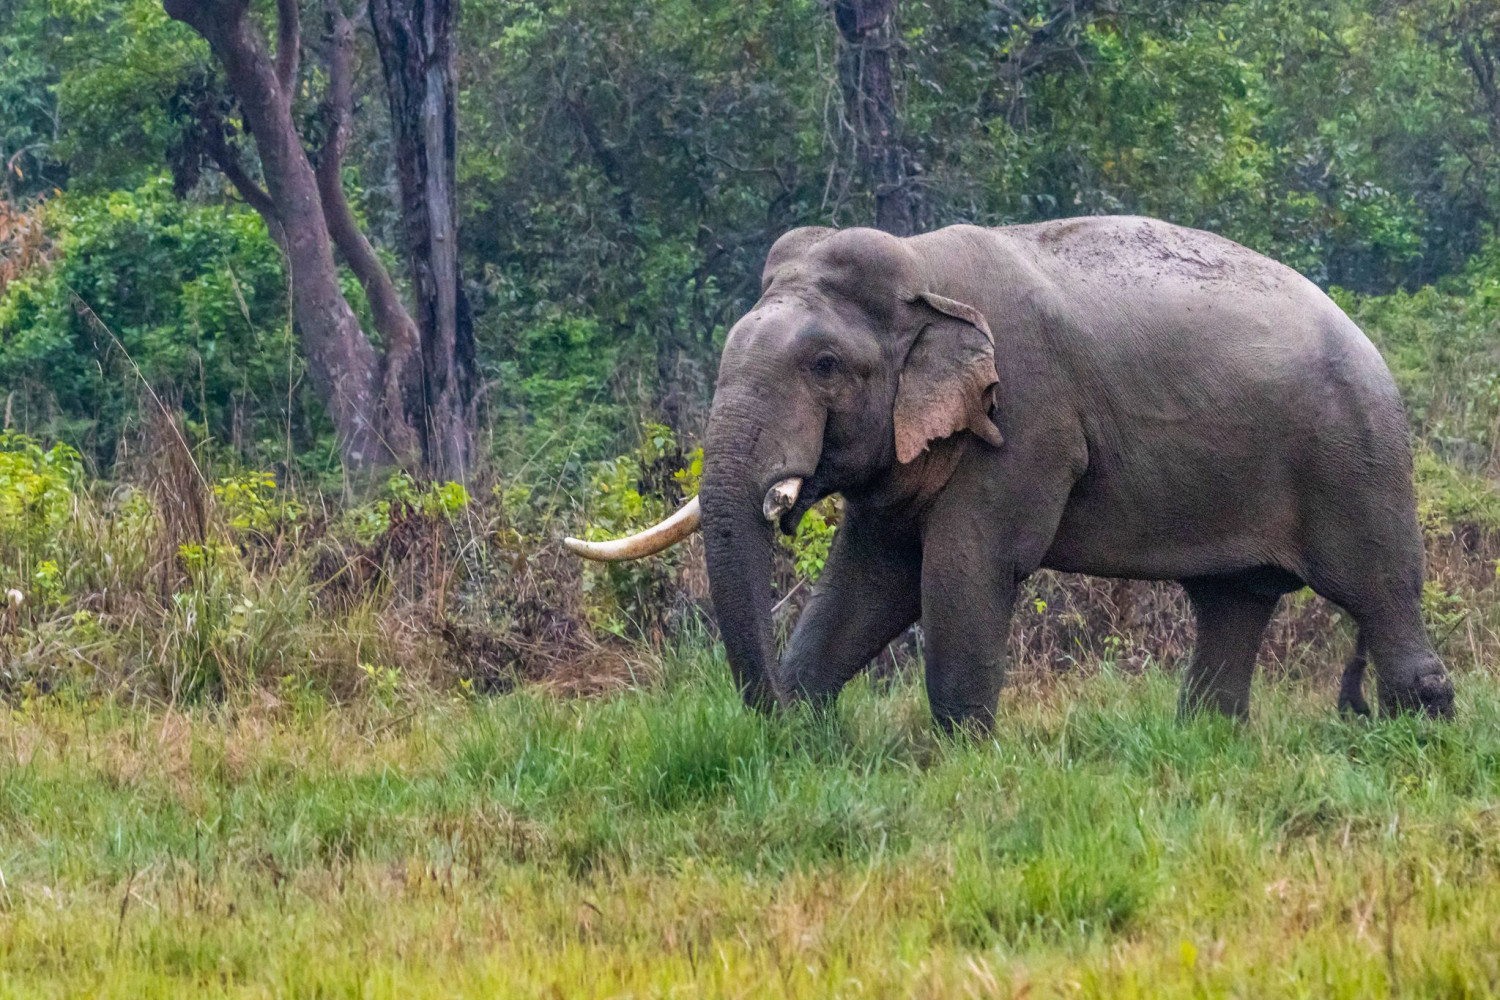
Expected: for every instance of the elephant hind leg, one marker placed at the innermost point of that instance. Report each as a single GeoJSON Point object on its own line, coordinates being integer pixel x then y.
{"type": "Point", "coordinates": [1366, 557]}
{"type": "Point", "coordinates": [1410, 677]}
{"type": "Point", "coordinates": [1231, 618]}
{"type": "Point", "coordinates": [1352, 687]}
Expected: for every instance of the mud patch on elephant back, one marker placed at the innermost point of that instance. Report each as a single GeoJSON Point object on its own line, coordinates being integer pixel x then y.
{"type": "Point", "coordinates": [1199, 256]}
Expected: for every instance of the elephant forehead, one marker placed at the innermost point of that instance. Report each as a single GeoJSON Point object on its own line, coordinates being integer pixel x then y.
{"type": "Point", "coordinates": [866, 264]}
{"type": "Point", "coordinates": [806, 297]}
{"type": "Point", "coordinates": [860, 265]}
{"type": "Point", "coordinates": [776, 322]}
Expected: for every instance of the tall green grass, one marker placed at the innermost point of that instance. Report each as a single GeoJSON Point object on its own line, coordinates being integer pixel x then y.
{"type": "Point", "coordinates": [667, 842]}
{"type": "Point", "coordinates": [258, 744]}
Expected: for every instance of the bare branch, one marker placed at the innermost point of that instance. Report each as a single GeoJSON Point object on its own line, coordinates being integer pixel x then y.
{"type": "Point", "coordinates": [396, 326]}
{"type": "Point", "coordinates": [207, 17]}
{"type": "Point", "coordinates": [1481, 63]}
{"type": "Point", "coordinates": [255, 196]}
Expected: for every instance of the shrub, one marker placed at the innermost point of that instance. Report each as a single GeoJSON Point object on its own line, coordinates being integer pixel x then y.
{"type": "Point", "coordinates": [190, 297]}
{"type": "Point", "coordinates": [628, 493]}
{"type": "Point", "coordinates": [36, 501]}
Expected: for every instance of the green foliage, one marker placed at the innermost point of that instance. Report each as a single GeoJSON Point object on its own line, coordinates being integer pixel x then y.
{"type": "Point", "coordinates": [97, 95]}
{"type": "Point", "coordinates": [384, 682]}
{"type": "Point", "coordinates": [641, 243]}
{"type": "Point", "coordinates": [1449, 496]}
{"type": "Point", "coordinates": [28, 164]}
{"type": "Point", "coordinates": [36, 502]}
{"type": "Point", "coordinates": [433, 499]}
{"type": "Point", "coordinates": [814, 540]}
{"type": "Point", "coordinates": [619, 199]}
{"type": "Point", "coordinates": [36, 486]}
{"type": "Point", "coordinates": [250, 502]}
{"type": "Point", "coordinates": [190, 297]}
{"type": "Point", "coordinates": [1443, 610]}
{"type": "Point", "coordinates": [1443, 346]}
{"type": "Point", "coordinates": [445, 500]}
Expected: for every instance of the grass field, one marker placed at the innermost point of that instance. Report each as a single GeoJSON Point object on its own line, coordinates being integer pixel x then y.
{"type": "Point", "coordinates": [665, 842]}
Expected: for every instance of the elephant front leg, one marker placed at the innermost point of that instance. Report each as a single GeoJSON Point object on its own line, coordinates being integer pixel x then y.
{"type": "Point", "coordinates": [987, 533]}
{"type": "Point", "coordinates": [868, 594]}
{"type": "Point", "coordinates": [968, 591]}
{"type": "Point", "coordinates": [965, 622]}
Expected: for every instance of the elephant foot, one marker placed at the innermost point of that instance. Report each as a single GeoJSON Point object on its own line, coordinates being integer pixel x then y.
{"type": "Point", "coordinates": [1352, 702]}
{"type": "Point", "coordinates": [1199, 699]}
{"type": "Point", "coordinates": [977, 722]}
{"type": "Point", "coordinates": [1230, 617]}
{"type": "Point", "coordinates": [760, 696]}
{"type": "Point", "coordinates": [1425, 689]}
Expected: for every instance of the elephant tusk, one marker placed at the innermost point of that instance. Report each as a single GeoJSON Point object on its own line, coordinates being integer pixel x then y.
{"type": "Point", "coordinates": [654, 539]}
{"type": "Point", "coordinates": [781, 498]}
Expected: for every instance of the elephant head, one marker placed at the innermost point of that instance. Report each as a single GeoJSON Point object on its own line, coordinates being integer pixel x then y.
{"type": "Point", "coordinates": [848, 366]}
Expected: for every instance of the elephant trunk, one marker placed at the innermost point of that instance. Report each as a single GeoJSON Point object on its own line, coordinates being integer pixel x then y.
{"type": "Point", "coordinates": [753, 464]}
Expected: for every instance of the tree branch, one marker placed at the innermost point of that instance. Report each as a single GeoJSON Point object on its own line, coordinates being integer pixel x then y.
{"type": "Point", "coordinates": [339, 101]}
{"type": "Point", "coordinates": [288, 45]}
{"type": "Point", "coordinates": [207, 17]}
{"type": "Point", "coordinates": [396, 326]}
{"type": "Point", "coordinates": [345, 367]}
{"type": "Point", "coordinates": [227, 159]}
{"type": "Point", "coordinates": [255, 196]}
{"type": "Point", "coordinates": [1482, 65]}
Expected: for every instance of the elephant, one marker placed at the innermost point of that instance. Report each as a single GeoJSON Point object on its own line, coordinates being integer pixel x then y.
{"type": "Point", "coordinates": [1107, 395]}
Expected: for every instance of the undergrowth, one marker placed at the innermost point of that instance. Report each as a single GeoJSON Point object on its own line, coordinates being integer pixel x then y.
{"type": "Point", "coordinates": [191, 583]}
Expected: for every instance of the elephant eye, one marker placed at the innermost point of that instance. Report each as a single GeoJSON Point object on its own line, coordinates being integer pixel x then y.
{"type": "Point", "coordinates": [826, 365]}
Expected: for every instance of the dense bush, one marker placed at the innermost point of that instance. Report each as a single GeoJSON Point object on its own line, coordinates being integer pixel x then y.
{"type": "Point", "coordinates": [146, 292]}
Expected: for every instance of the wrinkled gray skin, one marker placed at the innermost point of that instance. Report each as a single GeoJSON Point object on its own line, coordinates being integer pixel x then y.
{"type": "Point", "coordinates": [1159, 403]}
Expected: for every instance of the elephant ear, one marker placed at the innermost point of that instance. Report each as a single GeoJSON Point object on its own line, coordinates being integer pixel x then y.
{"type": "Point", "coordinates": [948, 382]}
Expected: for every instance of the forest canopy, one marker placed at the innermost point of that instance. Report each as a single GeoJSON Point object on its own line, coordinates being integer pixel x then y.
{"type": "Point", "coordinates": [621, 169]}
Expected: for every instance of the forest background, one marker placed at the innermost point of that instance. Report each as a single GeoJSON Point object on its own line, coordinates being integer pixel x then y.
{"type": "Point", "coordinates": [236, 328]}
{"type": "Point", "coordinates": [322, 322]}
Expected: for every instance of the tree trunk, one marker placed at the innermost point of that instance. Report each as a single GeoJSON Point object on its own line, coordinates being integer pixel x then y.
{"type": "Point", "coordinates": [401, 374]}
{"type": "Point", "coordinates": [867, 30]}
{"type": "Point", "coordinates": [343, 364]}
{"type": "Point", "coordinates": [415, 39]}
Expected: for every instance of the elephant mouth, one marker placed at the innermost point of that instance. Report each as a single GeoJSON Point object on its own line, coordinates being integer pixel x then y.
{"type": "Point", "coordinates": [788, 498]}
